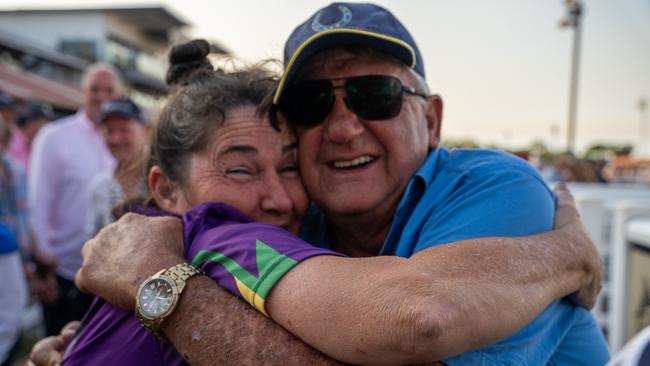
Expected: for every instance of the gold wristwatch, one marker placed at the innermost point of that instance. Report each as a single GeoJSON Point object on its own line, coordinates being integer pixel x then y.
{"type": "Point", "coordinates": [159, 294]}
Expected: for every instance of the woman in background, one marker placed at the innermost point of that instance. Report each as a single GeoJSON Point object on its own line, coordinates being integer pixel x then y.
{"type": "Point", "coordinates": [14, 236]}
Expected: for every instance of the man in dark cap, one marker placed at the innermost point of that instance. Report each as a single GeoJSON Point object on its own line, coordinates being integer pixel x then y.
{"type": "Point", "coordinates": [123, 124]}
{"type": "Point", "coordinates": [368, 132]}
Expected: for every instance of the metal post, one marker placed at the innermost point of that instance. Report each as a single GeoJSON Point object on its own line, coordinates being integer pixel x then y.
{"type": "Point", "coordinates": [575, 10]}
{"type": "Point", "coordinates": [643, 129]}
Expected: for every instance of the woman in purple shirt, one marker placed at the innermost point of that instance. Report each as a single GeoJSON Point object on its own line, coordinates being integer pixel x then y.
{"type": "Point", "coordinates": [211, 145]}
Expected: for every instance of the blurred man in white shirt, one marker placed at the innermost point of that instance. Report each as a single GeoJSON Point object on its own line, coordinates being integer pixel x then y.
{"type": "Point", "coordinates": [66, 156]}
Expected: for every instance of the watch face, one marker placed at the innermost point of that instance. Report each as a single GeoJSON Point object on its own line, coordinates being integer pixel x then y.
{"type": "Point", "coordinates": [157, 296]}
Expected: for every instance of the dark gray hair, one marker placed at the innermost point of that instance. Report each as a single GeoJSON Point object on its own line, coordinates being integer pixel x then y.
{"type": "Point", "coordinates": [198, 103]}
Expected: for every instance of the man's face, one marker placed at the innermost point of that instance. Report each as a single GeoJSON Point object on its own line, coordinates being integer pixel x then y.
{"type": "Point", "coordinates": [352, 166]}
{"type": "Point", "coordinates": [102, 86]}
{"type": "Point", "coordinates": [125, 137]}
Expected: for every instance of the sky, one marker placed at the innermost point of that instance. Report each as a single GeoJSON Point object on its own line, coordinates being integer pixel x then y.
{"type": "Point", "coordinates": [501, 66]}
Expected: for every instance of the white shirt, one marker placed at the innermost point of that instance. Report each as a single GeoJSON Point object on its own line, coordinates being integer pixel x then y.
{"type": "Point", "coordinates": [105, 193]}
{"type": "Point", "coordinates": [66, 155]}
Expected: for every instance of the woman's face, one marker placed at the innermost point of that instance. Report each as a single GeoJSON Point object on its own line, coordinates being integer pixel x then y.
{"type": "Point", "coordinates": [251, 167]}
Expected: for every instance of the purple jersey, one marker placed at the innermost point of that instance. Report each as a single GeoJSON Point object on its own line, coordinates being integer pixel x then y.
{"type": "Point", "coordinates": [242, 256]}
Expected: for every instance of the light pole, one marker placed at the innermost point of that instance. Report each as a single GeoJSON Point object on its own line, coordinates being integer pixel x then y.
{"type": "Point", "coordinates": [575, 9]}
{"type": "Point", "coordinates": [643, 127]}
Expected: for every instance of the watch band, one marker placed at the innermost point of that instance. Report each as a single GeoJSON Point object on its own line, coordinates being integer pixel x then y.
{"type": "Point", "coordinates": [179, 273]}
{"type": "Point", "coordinates": [153, 326]}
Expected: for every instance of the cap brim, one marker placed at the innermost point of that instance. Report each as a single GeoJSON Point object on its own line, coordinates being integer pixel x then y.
{"type": "Point", "coordinates": [107, 115]}
{"type": "Point", "coordinates": [343, 37]}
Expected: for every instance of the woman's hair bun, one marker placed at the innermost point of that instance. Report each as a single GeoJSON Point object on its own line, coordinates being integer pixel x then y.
{"type": "Point", "coordinates": [186, 58]}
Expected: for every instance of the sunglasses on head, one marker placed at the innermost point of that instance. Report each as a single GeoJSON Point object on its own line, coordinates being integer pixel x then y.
{"type": "Point", "coordinates": [371, 97]}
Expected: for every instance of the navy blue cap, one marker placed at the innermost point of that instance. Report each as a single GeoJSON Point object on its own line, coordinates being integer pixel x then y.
{"type": "Point", "coordinates": [6, 101]}
{"type": "Point", "coordinates": [344, 25]}
{"type": "Point", "coordinates": [34, 111]}
{"type": "Point", "coordinates": [124, 107]}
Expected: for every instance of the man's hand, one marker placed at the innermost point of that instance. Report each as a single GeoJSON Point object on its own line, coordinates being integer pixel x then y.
{"type": "Point", "coordinates": [567, 220]}
{"type": "Point", "coordinates": [49, 351]}
{"type": "Point", "coordinates": [41, 274]}
{"type": "Point", "coordinates": [127, 252]}
{"type": "Point", "coordinates": [46, 288]}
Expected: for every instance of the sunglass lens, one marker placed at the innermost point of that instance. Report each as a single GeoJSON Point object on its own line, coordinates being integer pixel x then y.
{"type": "Point", "coordinates": [374, 97]}
{"type": "Point", "coordinates": [308, 103]}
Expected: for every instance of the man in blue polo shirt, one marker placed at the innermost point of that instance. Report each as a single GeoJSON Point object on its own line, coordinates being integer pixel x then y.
{"type": "Point", "coordinates": [368, 132]}
{"type": "Point", "coordinates": [353, 134]}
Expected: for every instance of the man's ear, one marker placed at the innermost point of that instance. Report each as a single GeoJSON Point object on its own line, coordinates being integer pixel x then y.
{"type": "Point", "coordinates": [434, 119]}
{"type": "Point", "coordinates": [163, 190]}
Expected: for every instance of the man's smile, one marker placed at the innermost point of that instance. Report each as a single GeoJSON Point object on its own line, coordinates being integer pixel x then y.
{"type": "Point", "coordinates": [352, 163]}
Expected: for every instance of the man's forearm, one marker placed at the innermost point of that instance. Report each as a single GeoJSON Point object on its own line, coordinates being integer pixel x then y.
{"type": "Point", "coordinates": [212, 327]}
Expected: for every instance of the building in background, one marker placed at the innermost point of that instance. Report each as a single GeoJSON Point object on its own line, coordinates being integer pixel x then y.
{"type": "Point", "coordinates": [43, 52]}
{"type": "Point", "coordinates": [29, 72]}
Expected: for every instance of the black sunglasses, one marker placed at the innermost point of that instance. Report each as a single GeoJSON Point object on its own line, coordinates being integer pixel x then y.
{"type": "Point", "coordinates": [371, 97]}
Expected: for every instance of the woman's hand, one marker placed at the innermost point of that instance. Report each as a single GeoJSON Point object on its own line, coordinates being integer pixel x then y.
{"type": "Point", "coordinates": [49, 351]}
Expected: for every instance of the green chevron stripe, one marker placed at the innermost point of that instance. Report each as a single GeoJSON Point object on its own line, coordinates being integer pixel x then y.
{"type": "Point", "coordinates": [230, 264]}
{"type": "Point", "coordinates": [271, 265]}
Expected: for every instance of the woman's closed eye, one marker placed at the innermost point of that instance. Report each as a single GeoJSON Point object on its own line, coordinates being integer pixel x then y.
{"type": "Point", "coordinates": [240, 171]}
{"type": "Point", "coordinates": [289, 169]}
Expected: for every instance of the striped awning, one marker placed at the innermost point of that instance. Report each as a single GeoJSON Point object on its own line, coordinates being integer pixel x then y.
{"type": "Point", "coordinates": [27, 86]}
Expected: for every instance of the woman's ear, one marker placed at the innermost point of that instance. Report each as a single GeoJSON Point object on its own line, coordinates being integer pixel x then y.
{"type": "Point", "coordinates": [163, 190]}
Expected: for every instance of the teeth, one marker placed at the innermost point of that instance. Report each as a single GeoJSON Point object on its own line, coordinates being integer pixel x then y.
{"type": "Point", "coordinates": [355, 162]}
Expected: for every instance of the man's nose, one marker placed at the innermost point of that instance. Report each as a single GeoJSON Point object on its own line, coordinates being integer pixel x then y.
{"type": "Point", "coordinates": [342, 125]}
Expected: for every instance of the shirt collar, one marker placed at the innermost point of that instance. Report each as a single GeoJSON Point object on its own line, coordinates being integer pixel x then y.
{"type": "Point", "coordinates": [88, 123]}
{"type": "Point", "coordinates": [429, 169]}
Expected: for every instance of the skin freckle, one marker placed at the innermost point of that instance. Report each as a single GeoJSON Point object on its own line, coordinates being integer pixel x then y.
{"type": "Point", "coordinates": [359, 350]}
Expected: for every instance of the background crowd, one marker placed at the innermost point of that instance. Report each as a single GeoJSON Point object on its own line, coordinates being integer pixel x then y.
{"type": "Point", "coordinates": [60, 180]}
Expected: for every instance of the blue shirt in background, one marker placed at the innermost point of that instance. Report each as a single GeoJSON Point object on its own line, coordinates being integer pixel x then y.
{"type": "Point", "coordinates": [465, 194]}
{"type": "Point", "coordinates": [8, 243]}
{"type": "Point", "coordinates": [13, 207]}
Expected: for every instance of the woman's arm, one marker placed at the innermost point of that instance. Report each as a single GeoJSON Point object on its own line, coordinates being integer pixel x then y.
{"type": "Point", "coordinates": [442, 301]}
{"type": "Point", "coordinates": [393, 310]}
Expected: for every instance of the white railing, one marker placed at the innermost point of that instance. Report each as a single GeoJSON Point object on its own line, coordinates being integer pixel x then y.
{"type": "Point", "coordinates": [634, 311]}
{"type": "Point", "coordinates": [607, 210]}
